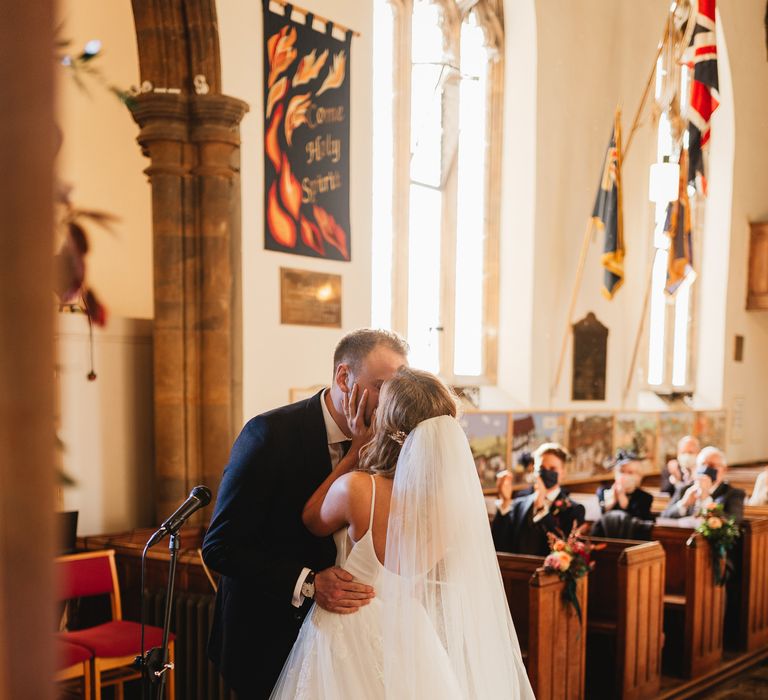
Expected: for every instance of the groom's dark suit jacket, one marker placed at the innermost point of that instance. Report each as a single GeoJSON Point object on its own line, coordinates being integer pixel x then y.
{"type": "Point", "coordinates": [259, 544]}
{"type": "Point", "coordinates": [517, 533]}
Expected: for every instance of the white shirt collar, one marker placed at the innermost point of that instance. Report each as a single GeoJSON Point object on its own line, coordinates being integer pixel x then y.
{"type": "Point", "coordinates": [553, 493]}
{"type": "Point", "coordinates": [332, 430]}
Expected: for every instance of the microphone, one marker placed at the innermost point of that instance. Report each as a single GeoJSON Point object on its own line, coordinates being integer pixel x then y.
{"type": "Point", "coordinates": [199, 497]}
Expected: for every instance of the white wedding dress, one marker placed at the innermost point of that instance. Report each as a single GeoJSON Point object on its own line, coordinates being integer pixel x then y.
{"type": "Point", "coordinates": [339, 657]}
{"type": "Point", "coordinates": [440, 627]}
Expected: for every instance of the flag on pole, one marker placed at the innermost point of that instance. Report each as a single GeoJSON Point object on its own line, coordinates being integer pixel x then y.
{"type": "Point", "coordinates": [678, 227]}
{"type": "Point", "coordinates": [607, 213]}
{"type": "Point", "coordinates": [701, 57]}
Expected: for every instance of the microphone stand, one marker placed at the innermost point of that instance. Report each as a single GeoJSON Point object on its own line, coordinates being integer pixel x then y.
{"type": "Point", "coordinates": [156, 662]}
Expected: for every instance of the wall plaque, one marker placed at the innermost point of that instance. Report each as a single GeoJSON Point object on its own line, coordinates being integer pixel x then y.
{"type": "Point", "coordinates": [590, 348]}
{"type": "Point", "coordinates": [310, 298]}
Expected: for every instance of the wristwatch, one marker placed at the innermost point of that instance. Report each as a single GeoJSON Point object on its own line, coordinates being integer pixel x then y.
{"type": "Point", "coordinates": [308, 587]}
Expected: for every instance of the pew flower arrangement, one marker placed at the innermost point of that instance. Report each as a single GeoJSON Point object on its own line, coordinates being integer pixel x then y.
{"type": "Point", "coordinates": [570, 559]}
{"type": "Point", "coordinates": [720, 532]}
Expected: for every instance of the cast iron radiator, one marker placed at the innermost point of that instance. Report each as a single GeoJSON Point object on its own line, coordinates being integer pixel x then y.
{"type": "Point", "coordinates": [196, 677]}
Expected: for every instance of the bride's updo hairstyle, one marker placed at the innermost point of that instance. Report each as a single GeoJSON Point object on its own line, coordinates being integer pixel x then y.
{"type": "Point", "coordinates": [410, 397]}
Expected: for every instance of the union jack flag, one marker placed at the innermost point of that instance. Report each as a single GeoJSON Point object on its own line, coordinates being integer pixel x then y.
{"type": "Point", "coordinates": [701, 57]}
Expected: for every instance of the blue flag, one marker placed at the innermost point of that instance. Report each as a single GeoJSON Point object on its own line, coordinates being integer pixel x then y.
{"type": "Point", "coordinates": [607, 213]}
{"type": "Point", "coordinates": [678, 227]}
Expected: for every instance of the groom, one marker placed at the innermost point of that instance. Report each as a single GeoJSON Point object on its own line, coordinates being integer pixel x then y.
{"type": "Point", "coordinates": [271, 566]}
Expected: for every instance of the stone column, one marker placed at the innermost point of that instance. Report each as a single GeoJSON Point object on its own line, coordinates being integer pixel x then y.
{"type": "Point", "coordinates": [193, 144]}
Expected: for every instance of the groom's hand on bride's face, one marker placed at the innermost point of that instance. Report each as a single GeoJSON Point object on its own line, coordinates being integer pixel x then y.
{"type": "Point", "coordinates": [337, 592]}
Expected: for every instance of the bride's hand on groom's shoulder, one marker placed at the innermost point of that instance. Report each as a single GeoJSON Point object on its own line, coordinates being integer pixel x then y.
{"type": "Point", "coordinates": [336, 591]}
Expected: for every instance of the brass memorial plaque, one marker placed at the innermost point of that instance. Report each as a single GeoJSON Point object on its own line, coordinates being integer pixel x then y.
{"type": "Point", "coordinates": [310, 298]}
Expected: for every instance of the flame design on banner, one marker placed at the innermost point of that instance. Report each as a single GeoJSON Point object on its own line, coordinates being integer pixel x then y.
{"type": "Point", "coordinates": [306, 137]}
{"type": "Point", "coordinates": [336, 76]}
{"type": "Point", "coordinates": [280, 225]}
{"type": "Point", "coordinates": [309, 67]}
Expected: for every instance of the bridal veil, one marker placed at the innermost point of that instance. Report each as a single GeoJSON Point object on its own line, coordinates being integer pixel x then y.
{"type": "Point", "coordinates": [441, 563]}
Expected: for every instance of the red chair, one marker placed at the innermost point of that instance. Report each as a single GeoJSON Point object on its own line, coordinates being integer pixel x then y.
{"type": "Point", "coordinates": [114, 644]}
{"type": "Point", "coordinates": [73, 661]}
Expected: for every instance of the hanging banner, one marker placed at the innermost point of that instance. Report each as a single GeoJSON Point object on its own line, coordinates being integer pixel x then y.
{"type": "Point", "coordinates": [306, 137]}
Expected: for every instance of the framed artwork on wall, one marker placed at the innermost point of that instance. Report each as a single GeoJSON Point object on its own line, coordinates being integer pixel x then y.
{"type": "Point", "coordinates": [489, 439]}
{"type": "Point", "coordinates": [638, 432]}
{"type": "Point", "coordinates": [529, 430]}
{"type": "Point", "coordinates": [590, 442]}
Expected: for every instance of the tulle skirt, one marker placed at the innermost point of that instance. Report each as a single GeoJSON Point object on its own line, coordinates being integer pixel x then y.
{"type": "Point", "coordinates": [341, 657]}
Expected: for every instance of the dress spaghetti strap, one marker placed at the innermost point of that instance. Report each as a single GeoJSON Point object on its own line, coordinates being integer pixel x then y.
{"type": "Point", "coordinates": [373, 503]}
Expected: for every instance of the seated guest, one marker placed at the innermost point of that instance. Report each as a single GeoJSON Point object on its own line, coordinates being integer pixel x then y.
{"type": "Point", "coordinates": [759, 495]}
{"type": "Point", "coordinates": [521, 525]}
{"type": "Point", "coordinates": [680, 471]}
{"type": "Point", "coordinates": [709, 486]}
{"type": "Point", "coordinates": [625, 493]}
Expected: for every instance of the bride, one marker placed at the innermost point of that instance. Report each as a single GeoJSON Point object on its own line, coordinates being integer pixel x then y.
{"type": "Point", "coordinates": [412, 523]}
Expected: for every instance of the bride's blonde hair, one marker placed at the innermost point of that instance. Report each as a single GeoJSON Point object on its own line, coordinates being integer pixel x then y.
{"type": "Point", "coordinates": [409, 398]}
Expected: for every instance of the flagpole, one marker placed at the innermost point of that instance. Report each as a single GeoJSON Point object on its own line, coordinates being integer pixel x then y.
{"type": "Point", "coordinates": [640, 107]}
{"type": "Point", "coordinates": [574, 293]}
{"type": "Point", "coordinates": [640, 326]}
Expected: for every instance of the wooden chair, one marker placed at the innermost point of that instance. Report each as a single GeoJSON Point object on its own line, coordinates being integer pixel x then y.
{"type": "Point", "coordinates": [115, 644]}
{"type": "Point", "coordinates": [73, 661]}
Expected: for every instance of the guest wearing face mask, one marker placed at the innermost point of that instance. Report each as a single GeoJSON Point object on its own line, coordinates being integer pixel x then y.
{"type": "Point", "coordinates": [521, 525]}
{"type": "Point", "coordinates": [680, 470]}
{"type": "Point", "coordinates": [709, 486]}
{"type": "Point", "coordinates": [625, 493]}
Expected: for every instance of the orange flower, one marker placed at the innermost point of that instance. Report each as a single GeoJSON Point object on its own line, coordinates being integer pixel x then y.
{"type": "Point", "coordinates": [714, 523]}
{"type": "Point", "coordinates": [559, 546]}
{"type": "Point", "coordinates": [336, 75]}
{"type": "Point", "coordinates": [565, 560]}
{"type": "Point", "coordinates": [296, 115]}
{"type": "Point", "coordinates": [276, 93]}
{"type": "Point", "coordinates": [281, 226]}
{"type": "Point", "coordinates": [332, 233]}
{"type": "Point", "coordinates": [281, 52]}
{"type": "Point", "coordinates": [309, 67]}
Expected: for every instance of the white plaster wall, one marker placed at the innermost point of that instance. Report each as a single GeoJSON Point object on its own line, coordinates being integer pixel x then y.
{"type": "Point", "coordinates": [745, 36]}
{"type": "Point", "coordinates": [100, 158]}
{"type": "Point", "coordinates": [592, 56]}
{"type": "Point", "coordinates": [106, 425]}
{"type": "Point", "coordinates": [278, 357]}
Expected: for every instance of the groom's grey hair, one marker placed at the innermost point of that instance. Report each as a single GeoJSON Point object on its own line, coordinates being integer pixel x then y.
{"type": "Point", "coordinates": [354, 347]}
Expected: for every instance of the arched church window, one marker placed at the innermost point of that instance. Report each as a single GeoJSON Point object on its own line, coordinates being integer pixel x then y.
{"type": "Point", "coordinates": [436, 170]}
{"type": "Point", "coordinates": [672, 301]}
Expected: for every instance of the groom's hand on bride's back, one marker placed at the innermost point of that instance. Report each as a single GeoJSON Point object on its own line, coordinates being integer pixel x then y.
{"type": "Point", "coordinates": [337, 592]}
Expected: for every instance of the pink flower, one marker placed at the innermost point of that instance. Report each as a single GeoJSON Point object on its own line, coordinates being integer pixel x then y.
{"type": "Point", "coordinates": [552, 562]}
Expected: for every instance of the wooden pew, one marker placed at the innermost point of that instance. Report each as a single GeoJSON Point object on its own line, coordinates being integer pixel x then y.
{"type": "Point", "coordinates": [551, 638]}
{"type": "Point", "coordinates": [626, 603]}
{"type": "Point", "coordinates": [694, 607]}
{"type": "Point", "coordinates": [753, 586]}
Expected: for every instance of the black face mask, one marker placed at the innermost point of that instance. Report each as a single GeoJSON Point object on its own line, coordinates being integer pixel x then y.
{"type": "Point", "coordinates": [549, 477]}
